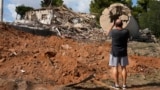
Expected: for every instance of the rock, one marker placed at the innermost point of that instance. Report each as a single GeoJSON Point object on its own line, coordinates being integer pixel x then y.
{"type": "Point", "coordinates": [7, 84]}
{"type": "Point", "coordinates": [66, 47]}
{"type": "Point", "coordinates": [2, 60]}
{"type": "Point", "coordinates": [23, 85]}
{"type": "Point", "coordinates": [78, 25]}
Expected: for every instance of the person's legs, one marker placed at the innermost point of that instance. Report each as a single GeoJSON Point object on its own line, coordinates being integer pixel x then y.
{"type": "Point", "coordinates": [124, 62]}
{"type": "Point", "coordinates": [124, 74]}
{"type": "Point", "coordinates": [115, 75]}
{"type": "Point", "coordinates": [113, 62]}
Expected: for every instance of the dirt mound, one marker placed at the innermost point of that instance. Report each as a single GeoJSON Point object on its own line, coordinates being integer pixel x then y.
{"type": "Point", "coordinates": [36, 62]}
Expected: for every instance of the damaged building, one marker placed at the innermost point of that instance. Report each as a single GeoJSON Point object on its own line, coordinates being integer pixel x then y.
{"type": "Point", "coordinates": [56, 15]}
{"type": "Point", "coordinates": [43, 16]}
{"type": "Point", "coordinates": [66, 23]}
{"type": "Point", "coordinates": [62, 21]}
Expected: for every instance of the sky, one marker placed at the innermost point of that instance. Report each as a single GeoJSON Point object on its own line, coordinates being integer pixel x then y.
{"type": "Point", "coordinates": [9, 14]}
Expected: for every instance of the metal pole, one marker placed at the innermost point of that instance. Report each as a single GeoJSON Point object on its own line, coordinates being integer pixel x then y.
{"type": "Point", "coordinates": [1, 10]}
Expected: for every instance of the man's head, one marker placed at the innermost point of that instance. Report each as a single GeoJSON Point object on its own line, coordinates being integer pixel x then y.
{"type": "Point", "coordinates": [118, 23]}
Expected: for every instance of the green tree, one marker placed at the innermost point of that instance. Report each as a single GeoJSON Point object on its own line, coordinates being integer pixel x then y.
{"type": "Point", "coordinates": [153, 17]}
{"type": "Point", "coordinates": [140, 10]}
{"type": "Point", "coordinates": [21, 10]}
{"type": "Point", "coordinates": [97, 6]}
{"type": "Point", "coordinates": [142, 19]}
{"type": "Point", "coordinates": [144, 4]}
{"type": "Point", "coordinates": [136, 11]}
{"type": "Point", "coordinates": [46, 3]}
{"type": "Point", "coordinates": [147, 14]}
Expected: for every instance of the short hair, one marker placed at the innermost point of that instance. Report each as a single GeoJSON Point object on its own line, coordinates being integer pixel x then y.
{"type": "Point", "coordinates": [118, 23]}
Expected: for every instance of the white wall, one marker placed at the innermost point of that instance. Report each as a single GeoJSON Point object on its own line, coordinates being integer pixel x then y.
{"type": "Point", "coordinates": [38, 15]}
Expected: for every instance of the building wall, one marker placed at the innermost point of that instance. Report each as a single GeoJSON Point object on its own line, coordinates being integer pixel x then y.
{"type": "Point", "coordinates": [42, 16]}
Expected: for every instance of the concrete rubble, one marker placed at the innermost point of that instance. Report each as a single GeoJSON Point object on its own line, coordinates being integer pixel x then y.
{"type": "Point", "coordinates": [65, 23]}
{"type": "Point", "coordinates": [62, 22]}
{"type": "Point", "coordinates": [147, 36]}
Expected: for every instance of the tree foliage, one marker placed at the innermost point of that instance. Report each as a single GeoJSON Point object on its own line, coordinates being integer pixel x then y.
{"type": "Point", "coordinates": [143, 4]}
{"type": "Point", "coordinates": [21, 10]}
{"type": "Point", "coordinates": [136, 11]}
{"type": "Point", "coordinates": [46, 3]}
{"type": "Point", "coordinates": [151, 18]}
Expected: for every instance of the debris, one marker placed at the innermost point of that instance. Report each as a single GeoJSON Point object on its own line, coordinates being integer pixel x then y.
{"type": "Point", "coordinates": [66, 46]}
{"type": "Point", "coordinates": [63, 23]}
{"type": "Point", "coordinates": [22, 70]}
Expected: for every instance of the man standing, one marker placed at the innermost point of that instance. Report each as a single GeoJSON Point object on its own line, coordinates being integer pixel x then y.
{"type": "Point", "coordinates": [118, 55]}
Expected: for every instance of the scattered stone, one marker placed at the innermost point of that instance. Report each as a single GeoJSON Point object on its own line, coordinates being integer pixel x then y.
{"type": "Point", "coordinates": [7, 84]}
{"type": "Point", "coordinates": [66, 46]}
{"type": "Point", "coordinates": [23, 85]}
{"type": "Point", "coordinates": [2, 60]}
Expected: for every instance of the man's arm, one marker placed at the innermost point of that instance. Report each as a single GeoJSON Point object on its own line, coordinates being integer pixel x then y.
{"type": "Point", "coordinates": [108, 31]}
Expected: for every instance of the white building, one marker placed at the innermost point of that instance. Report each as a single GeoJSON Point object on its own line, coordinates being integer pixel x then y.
{"type": "Point", "coordinates": [43, 16]}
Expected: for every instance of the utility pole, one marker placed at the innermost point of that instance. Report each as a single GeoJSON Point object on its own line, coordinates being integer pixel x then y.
{"type": "Point", "coordinates": [1, 10]}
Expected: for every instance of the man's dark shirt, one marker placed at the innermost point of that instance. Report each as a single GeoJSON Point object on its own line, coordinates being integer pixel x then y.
{"type": "Point", "coordinates": [119, 42]}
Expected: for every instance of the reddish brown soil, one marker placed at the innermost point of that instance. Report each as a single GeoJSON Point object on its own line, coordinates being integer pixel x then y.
{"type": "Point", "coordinates": [51, 61]}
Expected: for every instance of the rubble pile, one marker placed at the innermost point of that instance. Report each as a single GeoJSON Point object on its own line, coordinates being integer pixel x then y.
{"type": "Point", "coordinates": [150, 49]}
{"type": "Point", "coordinates": [64, 23]}
{"type": "Point", "coordinates": [147, 36]}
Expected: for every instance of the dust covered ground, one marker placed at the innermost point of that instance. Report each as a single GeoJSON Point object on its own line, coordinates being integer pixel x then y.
{"type": "Point", "coordinates": [31, 62]}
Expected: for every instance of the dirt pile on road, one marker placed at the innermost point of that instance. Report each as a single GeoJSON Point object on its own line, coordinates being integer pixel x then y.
{"type": "Point", "coordinates": [36, 62]}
